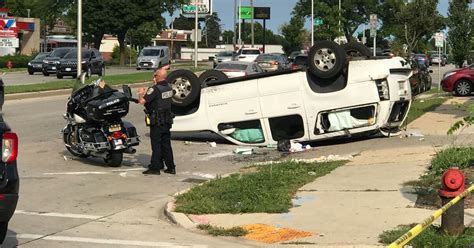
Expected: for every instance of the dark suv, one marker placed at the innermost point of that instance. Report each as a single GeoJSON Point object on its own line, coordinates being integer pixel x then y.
{"type": "Point", "coordinates": [92, 63]}
{"type": "Point", "coordinates": [51, 62]}
{"type": "Point", "coordinates": [9, 180]}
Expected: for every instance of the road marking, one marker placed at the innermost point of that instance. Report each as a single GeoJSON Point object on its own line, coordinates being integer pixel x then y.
{"type": "Point", "coordinates": [62, 215]}
{"type": "Point", "coordinates": [75, 173]}
{"type": "Point", "coordinates": [104, 241]}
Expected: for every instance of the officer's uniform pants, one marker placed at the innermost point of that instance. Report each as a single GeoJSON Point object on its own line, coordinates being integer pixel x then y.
{"type": "Point", "coordinates": [161, 147]}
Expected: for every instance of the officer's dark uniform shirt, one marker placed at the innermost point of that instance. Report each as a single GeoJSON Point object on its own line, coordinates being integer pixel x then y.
{"type": "Point", "coordinates": [158, 98]}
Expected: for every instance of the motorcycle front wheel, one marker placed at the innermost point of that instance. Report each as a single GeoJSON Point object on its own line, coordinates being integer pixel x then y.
{"type": "Point", "coordinates": [114, 159]}
{"type": "Point", "coordinates": [70, 142]}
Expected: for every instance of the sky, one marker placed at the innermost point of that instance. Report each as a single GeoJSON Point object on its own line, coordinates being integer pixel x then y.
{"type": "Point", "coordinates": [280, 11]}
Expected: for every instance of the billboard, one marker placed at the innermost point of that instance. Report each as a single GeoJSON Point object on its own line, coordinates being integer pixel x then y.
{"type": "Point", "coordinates": [9, 42]}
{"type": "Point", "coordinates": [8, 28]}
{"type": "Point", "coordinates": [204, 8]}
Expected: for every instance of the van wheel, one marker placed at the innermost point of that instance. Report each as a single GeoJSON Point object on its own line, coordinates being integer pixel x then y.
{"type": "Point", "coordinates": [45, 73]}
{"type": "Point", "coordinates": [355, 50]}
{"type": "Point", "coordinates": [211, 75]}
{"type": "Point", "coordinates": [326, 59]}
{"type": "Point", "coordinates": [186, 87]}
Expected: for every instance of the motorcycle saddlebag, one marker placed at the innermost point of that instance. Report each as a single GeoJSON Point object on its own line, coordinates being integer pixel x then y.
{"type": "Point", "coordinates": [112, 107]}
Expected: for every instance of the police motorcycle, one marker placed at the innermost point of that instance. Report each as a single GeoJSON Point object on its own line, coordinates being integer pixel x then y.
{"type": "Point", "coordinates": [94, 125]}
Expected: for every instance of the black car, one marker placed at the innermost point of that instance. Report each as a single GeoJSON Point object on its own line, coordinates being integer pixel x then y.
{"type": "Point", "coordinates": [92, 63]}
{"type": "Point", "coordinates": [36, 64]}
{"type": "Point", "coordinates": [9, 179]}
{"type": "Point", "coordinates": [51, 62]}
{"type": "Point", "coordinates": [300, 62]}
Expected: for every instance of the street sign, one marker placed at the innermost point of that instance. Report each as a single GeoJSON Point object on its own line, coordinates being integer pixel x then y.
{"type": "Point", "coordinates": [318, 22]}
{"type": "Point", "coordinates": [9, 42]}
{"type": "Point", "coordinates": [204, 8]}
{"type": "Point", "coordinates": [199, 35]}
{"type": "Point", "coordinates": [439, 39]}
{"type": "Point", "coordinates": [373, 25]}
{"type": "Point", "coordinates": [246, 12]}
{"type": "Point", "coordinates": [261, 13]}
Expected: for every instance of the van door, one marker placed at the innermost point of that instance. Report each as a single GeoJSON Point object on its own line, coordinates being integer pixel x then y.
{"type": "Point", "coordinates": [282, 107]}
{"type": "Point", "coordinates": [235, 105]}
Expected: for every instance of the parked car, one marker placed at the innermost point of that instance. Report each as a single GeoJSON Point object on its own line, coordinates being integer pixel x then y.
{"type": "Point", "coordinates": [436, 59]}
{"type": "Point", "coordinates": [223, 56]}
{"type": "Point", "coordinates": [92, 63]}
{"type": "Point", "coordinates": [293, 55]}
{"type": "Point", "coordinates": [272, 61]}
{"type": "Point", "coordinates": [422, 57]}
{"type": "Point", "coordinates": [248, 54]}
{"type": "Point", "coordinates": [459, 81]}
{"type": "Point", "coordinates": [153, 57]}
{"type": "Point", "coordinates": [421, 80]}
{"type": "Point", "coordinates": [327, 100]}
{"type": "Point", "coordinates": [36, 64]}
{"type": "Point", "coordinates": [300, 62]}
{"type": "Point", "coordinates": [239, 68]}
{"type": "Point", "coordinates": [10, 181]}
{"type": "Point", "coordinates": [51, 61]}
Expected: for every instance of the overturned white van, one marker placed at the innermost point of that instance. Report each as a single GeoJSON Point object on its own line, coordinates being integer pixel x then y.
{"type": "Point", "coordinates": [364, 95]}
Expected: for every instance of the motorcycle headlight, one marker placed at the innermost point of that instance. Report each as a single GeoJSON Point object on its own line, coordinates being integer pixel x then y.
{"type": "Point", "coordinates": [448, 74]}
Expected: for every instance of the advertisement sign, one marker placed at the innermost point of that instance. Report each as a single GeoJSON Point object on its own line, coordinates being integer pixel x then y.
{"type": "Point", "coordinates": [8, 28]}
{"type": "Point", "coordinates": [261, 13]}
{"type": "Point", "coordinates": [204, 8]}
{"type": "Point", "coordinates": [9, 42]}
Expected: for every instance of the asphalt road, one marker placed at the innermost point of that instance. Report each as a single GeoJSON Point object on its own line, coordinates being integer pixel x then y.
{"type": "Point", "coordinates": [69, 202]}
{"type": "Point", "coordinates": [19, 78]}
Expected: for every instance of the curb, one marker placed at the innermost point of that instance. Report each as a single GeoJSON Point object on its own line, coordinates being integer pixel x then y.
{"type": "Point", "coordinates": [178, 218]}
{"type": "Point", "coordinates": [62, 92]}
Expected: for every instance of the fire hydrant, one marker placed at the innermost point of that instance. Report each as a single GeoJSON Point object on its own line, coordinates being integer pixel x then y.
{"type": "Point", "coordinates": [452, 185]}
{"type": "Point", "coordinates": [9, 65]}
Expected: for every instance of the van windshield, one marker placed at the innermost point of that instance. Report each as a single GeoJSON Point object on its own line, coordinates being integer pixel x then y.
{"type": "Point", "coordinates": [150, 52]}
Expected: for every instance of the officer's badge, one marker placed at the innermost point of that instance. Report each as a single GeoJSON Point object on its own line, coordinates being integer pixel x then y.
{"type": "Point", "coordinates": [149, 91]}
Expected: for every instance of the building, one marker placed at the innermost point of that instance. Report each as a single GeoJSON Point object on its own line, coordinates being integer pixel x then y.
{"type": "Point", "coordinates": [18, 34]}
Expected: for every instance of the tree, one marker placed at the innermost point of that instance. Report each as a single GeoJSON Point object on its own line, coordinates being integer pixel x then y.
{"type": "Point", "coordinates": [353, 14]}
{"type": "Point", "coordinates": [212, 30]}
{"type": "Point", "coordinates": [228, 36]}
{"type": "Point", "coordinates": [125, 15]}
{"type": "Point", "coordinates": [294, 35]}
{"type": "Point", "coordinates": [143, 34]}
{"type": "Point", "coordinates": [411, 22]}
{"type": "Point", "coordinates": [183, 23]}
{"type": "Point", "coordinates": [460, 22]}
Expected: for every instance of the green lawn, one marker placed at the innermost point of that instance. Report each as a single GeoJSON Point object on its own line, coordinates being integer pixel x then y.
{"type": "Point", "coordinates": [431, 237]}
{"type": "Point", "coordinates": [269, 188]}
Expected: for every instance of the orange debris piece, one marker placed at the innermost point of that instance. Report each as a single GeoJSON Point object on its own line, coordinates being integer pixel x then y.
{"type": "Point", "coordinates": [271, 234]}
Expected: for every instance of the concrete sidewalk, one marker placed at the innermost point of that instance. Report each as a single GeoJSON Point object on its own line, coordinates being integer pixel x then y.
{"type": "Point", "coordinates": [354, 204]}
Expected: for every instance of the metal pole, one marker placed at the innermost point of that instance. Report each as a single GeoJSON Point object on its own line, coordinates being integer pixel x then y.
{"type": "Point", "coordinates": [339, 36]}
{"type": "Point", "coordinates": [312, 22]}
{"type": "Point", "coordinates": [79, 38]}
{"type": "Point", "coordinates": [240, 25]}
{"type": "Point", "coordinates": [375, 45]}
{"type": "Point", "coordinates": [196, 34]}
{"type": "Point", "coordinates": [172, 39]}
{"type": "Point", "coordinates": [439, 69]}
{"type": "Point", "coordinates": [264, 34]}
{"type": "Point", "coordinates": [363, 35]}
{"type": "Point", "coordinates": [235, 22]}
{"type": "Point", "coordinates": [251, 5]}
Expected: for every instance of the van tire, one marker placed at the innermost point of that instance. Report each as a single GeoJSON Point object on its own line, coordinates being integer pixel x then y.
{"type": "Point", "coordinates": [211, 75]}
{"type": "Point", "coordinates": [186, 87]}
{"type": "Point", "coordinates": [326, 59]}
{"type": "Point", "coordinates": [355, 50]}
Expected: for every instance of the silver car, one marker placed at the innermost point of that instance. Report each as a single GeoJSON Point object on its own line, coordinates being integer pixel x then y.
{"type": "Point", "coordinates": [239, 68]}
{"type": "Point", "coordinates": [223, 56]}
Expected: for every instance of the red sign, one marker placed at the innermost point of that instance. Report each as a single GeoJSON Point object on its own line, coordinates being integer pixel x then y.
{"type": "Point", "coordinates": [8, 28]}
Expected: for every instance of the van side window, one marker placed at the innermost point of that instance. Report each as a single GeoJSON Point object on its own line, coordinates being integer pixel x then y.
{"type": "Point", "coordinates": [287, 127]}
{"type": "Point", "coordinates": [162, 54]}
{"type": "Point", "coordinates": [249, 132]}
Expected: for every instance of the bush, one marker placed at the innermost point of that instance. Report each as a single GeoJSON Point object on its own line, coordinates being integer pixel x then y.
{"type": "Point", "coordinates": [19, 61]}
{"type": "Point", "coordinates": [116, 56]}
{"type": "Point", "coordinates": [461, 157]}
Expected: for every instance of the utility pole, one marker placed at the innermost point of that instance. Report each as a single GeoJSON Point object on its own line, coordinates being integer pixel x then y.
{"type": "Point", "coordinates": [240, 25]}
{"type": "Point", "coordinates": [234, 40]}
{"type": "Point", "coordinates": [172, 39]}
{"type": "Point", "coordinates": [79, 38]}
{"type": "Point", "coordinates": [196, 34]}
{"type": "Point", "coordinates": [251, 5]}
{"type": "Point", "coordinates": [312, 22]}
{"type": "Point", "coordinates": [339, 36]}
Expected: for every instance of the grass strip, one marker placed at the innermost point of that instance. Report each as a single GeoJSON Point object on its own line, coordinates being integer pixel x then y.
{"type": "Point", "coordinates": [220, 231]}
{"type": "Point", "coordinates": [421, 106]}
{"type": "Point", "coordinates": [431, 237]}
{"type": "Point", "coordinates": [269, 189]}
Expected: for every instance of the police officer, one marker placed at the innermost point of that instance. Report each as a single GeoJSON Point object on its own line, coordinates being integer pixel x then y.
{"type": "Point", "coordinates": [157, 101]}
